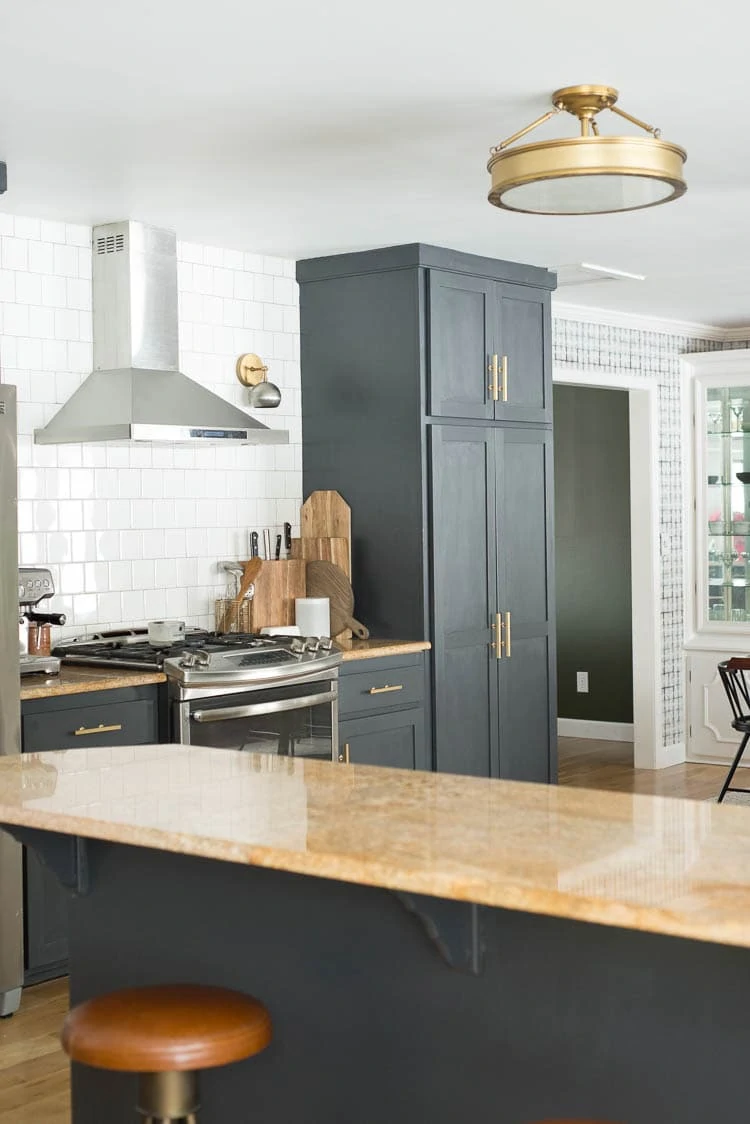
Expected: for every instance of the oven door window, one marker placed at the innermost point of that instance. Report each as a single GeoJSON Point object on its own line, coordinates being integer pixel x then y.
{"type": "Point", "coordinates": [288, 721]}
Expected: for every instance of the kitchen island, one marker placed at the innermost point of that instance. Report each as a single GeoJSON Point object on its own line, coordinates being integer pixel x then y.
{"type": "Point", "coordinates": [430, 947]}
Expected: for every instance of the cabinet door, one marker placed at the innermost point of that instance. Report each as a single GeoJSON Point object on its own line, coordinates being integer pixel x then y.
{"type": "Point", "coordinates": [461, 313]}
{"type": "Point", "coordinates": [464, 598]}
{"type": "Point", "coordinates": [525, 593]}
{"type": "Point", "coordinates": [396, 739]}
{"type": "Point", "coordinates": [45, 920]}
{"type": "Point", "coordinates": [523, 338]}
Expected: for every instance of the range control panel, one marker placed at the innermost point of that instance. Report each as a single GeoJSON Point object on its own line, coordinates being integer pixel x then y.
{"type": "Point", "coordinates": [34, 584]}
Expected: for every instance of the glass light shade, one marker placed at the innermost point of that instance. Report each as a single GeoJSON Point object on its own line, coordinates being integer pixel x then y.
{"type": "Point", "coordinates": [587, 175]}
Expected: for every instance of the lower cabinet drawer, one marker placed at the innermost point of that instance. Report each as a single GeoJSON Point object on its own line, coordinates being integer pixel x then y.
{"type": "Point", "coordinates": [124, 723]}
{"type": "Point", "coordinates": [396, 739]}
{"type": "Point", "coordinates": [376, 690]}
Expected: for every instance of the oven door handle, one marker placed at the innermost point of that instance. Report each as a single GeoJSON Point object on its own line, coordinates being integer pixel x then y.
{"type": "Point", "coordinates": [275, 706]}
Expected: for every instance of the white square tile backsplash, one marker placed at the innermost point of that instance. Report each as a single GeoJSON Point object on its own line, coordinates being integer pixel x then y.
{"type": "Point", "coordinates": [133, 532]}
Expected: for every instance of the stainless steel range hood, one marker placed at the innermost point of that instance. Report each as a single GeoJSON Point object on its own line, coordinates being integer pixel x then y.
{"type": "Point", "coordinates": [136, 392]}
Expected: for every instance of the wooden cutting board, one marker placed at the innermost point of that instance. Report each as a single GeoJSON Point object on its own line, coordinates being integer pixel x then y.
{"type": "Point", "coordinates": [276, 587]}
{"type": "Point", "coordinates": [326, 580]}
{"type": "Point", "coordinates": [327, 515]}
{"type": "Point", "coordinates": [334, 550]}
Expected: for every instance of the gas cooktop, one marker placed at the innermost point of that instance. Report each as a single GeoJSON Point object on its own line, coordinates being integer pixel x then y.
{"type": "Point", "coordinates": [198, 653]}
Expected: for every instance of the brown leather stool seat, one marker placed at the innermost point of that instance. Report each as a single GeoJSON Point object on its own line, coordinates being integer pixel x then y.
{"type": "Point", "coordinates": [166, 1033]}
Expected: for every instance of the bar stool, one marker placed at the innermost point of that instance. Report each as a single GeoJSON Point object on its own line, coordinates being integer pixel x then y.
{"type": "Point", "coordinates": [166, 1034]}
{"type": "Point", "coordinates": [737, 690]}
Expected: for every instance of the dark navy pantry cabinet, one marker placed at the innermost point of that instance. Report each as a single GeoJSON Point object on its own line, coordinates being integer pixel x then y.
{"type": "Point", "coordinates": [427, 403]}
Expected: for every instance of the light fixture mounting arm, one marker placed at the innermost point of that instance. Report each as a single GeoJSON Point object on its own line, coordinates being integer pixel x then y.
{"type": "Point", "coordinates": [583, 102]}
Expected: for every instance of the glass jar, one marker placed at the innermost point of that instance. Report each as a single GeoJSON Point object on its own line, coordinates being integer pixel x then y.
{"type": "Point", "coordinates": [40, 639]}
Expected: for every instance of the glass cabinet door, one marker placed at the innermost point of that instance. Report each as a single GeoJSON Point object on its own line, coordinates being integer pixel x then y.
{"type": "Point", "coordinates": [727, 507]}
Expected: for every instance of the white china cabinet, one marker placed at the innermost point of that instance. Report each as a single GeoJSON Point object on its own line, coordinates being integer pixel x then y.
{"type": "Point", "coordinates": [717, 588]}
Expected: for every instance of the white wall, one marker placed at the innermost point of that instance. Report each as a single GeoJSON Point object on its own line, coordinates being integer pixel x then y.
{"type": "Point", "coordinates": [133, 532]}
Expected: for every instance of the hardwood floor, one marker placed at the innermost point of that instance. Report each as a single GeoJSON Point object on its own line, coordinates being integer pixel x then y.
{"type": "Point", "coordinates": [34, 1084]}
{"type": "Point", "coordinates": [34, 1080]}
{"type": "Point", "coordinates": [586, 763]}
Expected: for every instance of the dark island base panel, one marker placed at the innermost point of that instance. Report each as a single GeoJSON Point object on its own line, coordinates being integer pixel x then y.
{"type": "Point", "coordinates": [567, 1019]}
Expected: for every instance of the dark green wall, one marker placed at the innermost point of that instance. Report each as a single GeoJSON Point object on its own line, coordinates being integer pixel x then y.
{"type": "Point", "coordinates": [592, 542]}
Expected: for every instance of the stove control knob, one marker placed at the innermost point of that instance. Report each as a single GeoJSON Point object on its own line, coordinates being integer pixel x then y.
{"type": "Point", "coordinates": [187, 659]}
{"type": "Point", "coordinates": [312, 643]}
{"type": "Point", "coordinates": [297, 646]}
{"type": "Point", "coordinates": [326, 644]}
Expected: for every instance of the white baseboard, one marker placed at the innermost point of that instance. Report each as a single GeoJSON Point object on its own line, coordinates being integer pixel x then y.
{"type": "Point", "coordinates": [587, 728]}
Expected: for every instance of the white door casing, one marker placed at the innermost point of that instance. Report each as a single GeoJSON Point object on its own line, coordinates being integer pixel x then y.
{"type": "Point", "coordinates": [648, 749]}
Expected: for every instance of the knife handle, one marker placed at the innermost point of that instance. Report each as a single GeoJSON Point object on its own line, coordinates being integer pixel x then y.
{"type": "Point", "coordinates": [288, 539]}
{"type": "Point", "coordinates": [278, 547]}
{"type": "Point", "coordinates": [254, 544]}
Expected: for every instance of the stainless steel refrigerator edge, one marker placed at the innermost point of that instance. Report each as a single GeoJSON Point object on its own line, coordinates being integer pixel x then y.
{"type": "Point", "coordinates": [11, 871]}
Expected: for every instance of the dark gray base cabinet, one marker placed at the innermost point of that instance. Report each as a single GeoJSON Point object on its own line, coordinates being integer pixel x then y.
{"type": "Point", "coordinates": [71, 722]}
{"type": "Point", "coordinates": [382, 719]}
{"type": "Point", "coordinates": [448, 472]}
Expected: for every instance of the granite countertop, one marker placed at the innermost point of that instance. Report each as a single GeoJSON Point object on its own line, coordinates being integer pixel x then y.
{"type": "Point", "coordinates": [373, 649]}
{"type": "Point", "coordinates": [77, 680]}
{"type": "Point", "coordinates": [661, 865]}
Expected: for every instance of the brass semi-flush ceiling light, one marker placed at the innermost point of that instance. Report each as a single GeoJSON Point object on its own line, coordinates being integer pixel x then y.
{"type": "Point", "coordinates": [589, 174]}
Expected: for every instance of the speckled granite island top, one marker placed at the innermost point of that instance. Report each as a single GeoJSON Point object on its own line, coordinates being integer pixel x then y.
{"type": "Point", "coordinates": [639, 862]}
{"type": "Point", "coordinates": [79, 680]}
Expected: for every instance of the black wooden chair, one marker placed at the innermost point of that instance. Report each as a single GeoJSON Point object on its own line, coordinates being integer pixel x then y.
{"type": "Point", "coordinates": [735, 676]}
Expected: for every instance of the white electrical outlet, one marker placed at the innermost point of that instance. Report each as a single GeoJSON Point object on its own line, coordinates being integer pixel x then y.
{"type": "Point", "coordinates": [582, 682]}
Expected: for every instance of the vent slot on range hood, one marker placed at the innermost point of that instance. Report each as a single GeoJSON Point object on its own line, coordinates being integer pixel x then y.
{"type": "Point", "coordinates": [136, 391]}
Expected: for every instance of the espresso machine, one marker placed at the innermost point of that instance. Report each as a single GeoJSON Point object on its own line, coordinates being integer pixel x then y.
{"type": "Point", "coordinates": [35, 585]}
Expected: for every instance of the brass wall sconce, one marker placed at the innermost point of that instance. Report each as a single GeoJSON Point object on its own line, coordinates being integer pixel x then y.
{"type": "Point", "coordinates": [252, 372]}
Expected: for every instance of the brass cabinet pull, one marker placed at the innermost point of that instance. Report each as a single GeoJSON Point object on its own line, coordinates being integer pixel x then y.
{"type": "Point", "coordinates": [497, 643]}
{"type": "Point", "coordinates": [83, 730]}
{"type": "Point", "coordinates": [383, 690]}
{"type": "Point", "coordinates": [504, 379]}
{"type": "Point", "coordinates": [344, 757]}
{"type": "Point", "coordinates": [493, 387]}
{"type": "Point", "coordinates": [507, 635]}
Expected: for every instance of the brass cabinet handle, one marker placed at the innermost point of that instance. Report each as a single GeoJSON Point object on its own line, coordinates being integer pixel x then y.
{"type": "Point", "coordinates": [507, 635]}
{"type": "Point", "coordinates": [504, 379]}
{"type": "Point", "coordinates": [83, 730]}
{"type": "Point", "coordinates": [497, 643]}
{"type": "Point", "coordinates": [493, 387]}
{"type": "Point", "coordinates": [384, 690]}
{"type": "Point", "coordinates": [344, 757]}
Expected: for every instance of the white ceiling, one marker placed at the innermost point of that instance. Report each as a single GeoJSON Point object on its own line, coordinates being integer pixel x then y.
{"type": "Point", "coordinates": [305, 128]}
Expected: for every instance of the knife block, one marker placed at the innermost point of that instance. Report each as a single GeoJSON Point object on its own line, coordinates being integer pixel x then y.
{"type": "Point", "coordinates": [276, 587]}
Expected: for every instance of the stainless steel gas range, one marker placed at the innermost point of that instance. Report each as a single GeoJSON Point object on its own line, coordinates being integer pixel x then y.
{"type": "Point", "coordinates": [235, 691]}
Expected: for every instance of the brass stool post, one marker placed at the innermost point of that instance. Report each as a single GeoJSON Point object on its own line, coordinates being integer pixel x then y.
{"type": "Point", "coordinates": [168, 1096]}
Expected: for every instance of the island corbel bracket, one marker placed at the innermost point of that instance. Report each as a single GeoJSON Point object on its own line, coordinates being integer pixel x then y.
{"type": "Point", "coordinates": [65, 855]}
{"type": "Point", "coordinates": [455, 928]}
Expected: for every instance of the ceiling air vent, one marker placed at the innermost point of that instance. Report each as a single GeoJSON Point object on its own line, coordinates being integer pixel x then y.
{"type": "Point", "coordinates": [587, 274]}
{"type": "Point", "coordinates": [109, 243]}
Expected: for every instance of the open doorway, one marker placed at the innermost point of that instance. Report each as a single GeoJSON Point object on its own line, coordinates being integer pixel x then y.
{"type": "Point", "coordinates": [593, 577]}
{"type": "Point", "coordinates": [645, 749]}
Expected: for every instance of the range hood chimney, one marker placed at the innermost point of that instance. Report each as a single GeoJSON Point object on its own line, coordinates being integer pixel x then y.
{"type": "Point", "coordinates": [136, 392]}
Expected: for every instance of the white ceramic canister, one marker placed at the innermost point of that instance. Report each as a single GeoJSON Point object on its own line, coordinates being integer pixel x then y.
{"type": "Point", "coordinates": [313, 615]}
{"type": "Point", "coordinates": [165, 632]}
